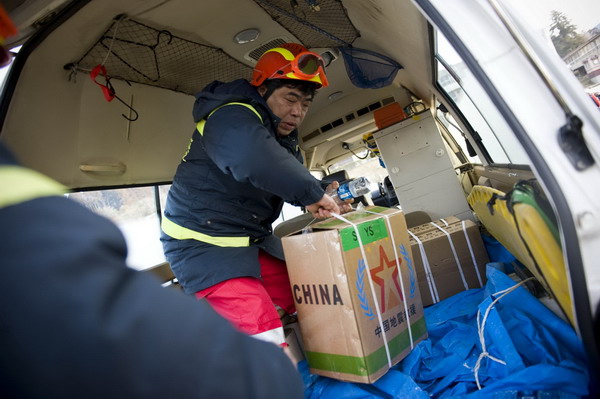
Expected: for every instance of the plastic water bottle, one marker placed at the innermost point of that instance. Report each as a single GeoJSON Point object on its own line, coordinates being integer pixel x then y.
{"type": "Point", "coordinates": [350, 190]}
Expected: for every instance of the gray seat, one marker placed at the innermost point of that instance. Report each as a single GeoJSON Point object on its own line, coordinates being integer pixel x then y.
{"type": "Point", "coordinates": [295, 224]}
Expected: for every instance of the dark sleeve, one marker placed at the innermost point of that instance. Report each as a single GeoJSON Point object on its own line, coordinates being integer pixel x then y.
{"type": "Point", "coordinates": [241, 146]}
{"type": "Point", "coordinates": [76, 322]}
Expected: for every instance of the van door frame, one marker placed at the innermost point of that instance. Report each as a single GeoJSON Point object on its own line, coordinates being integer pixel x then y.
{"type": "Point", "coordinates": [585, 317]}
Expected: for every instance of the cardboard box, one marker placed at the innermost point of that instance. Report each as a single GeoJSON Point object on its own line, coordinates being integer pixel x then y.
{"type": "Point", "coordinates": [454, 263]}
{"type": "Point", "coordinates": [426, 227]}
{"type": "Point", "coordinates": [352, 308]}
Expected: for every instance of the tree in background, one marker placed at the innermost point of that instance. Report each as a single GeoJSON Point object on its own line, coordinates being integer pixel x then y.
{"type": "Point", "coordinates": [564, 34]}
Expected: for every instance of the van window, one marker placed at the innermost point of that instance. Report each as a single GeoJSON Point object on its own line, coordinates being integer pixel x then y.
{"type": "Point", "coordinates": [288, 212]}
{"type": "Point", "coordinates": [457, 136]}
{"type": "Point", "coordinates": [135, 212]}
{"type": "Point", "coordinates": [571, 29]}
{"type": "Point", "coordinates": [361, 164]}
{"type": "Point", "coordinates": [462, 89]}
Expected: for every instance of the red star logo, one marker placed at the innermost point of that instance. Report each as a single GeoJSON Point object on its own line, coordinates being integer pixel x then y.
{"type": "Point", "coordinates": [382, 273]}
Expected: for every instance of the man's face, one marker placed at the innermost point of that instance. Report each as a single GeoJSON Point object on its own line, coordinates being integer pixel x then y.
{"type": "Point", "coordinates": [289, 104]}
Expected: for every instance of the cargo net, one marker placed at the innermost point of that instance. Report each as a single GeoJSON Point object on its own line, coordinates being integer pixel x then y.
{"type": "Point", "coordinates": [368, 69]}
{"type": "Point", "coordinates": [316, 23]}
{"type": "Point", "coordinates": [135, 52]}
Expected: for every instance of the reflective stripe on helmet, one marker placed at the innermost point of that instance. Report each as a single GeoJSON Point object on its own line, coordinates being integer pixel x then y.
{"type": "Point", "coordinates": [21, 184]}
{"type": "Point", "coordinates": [307, 66]}
{"type": "Point", "coordinates": [178, 232]}
{"type": "Point", "coordinates": [285, 53]}
{"type": "Point", "coordinates": [290, 61]}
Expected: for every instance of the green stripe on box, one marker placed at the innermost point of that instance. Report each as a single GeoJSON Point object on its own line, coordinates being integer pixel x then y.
{"type": "Point", "coordinates": [364, 366]}
{"type": "Point", "coordinates": [378, 209]}
{"type": "Point", "coordinates": [370, 231]}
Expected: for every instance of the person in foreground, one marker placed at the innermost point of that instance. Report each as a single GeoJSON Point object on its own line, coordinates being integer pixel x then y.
{"type": "Point", "coordinates": [76, 322]}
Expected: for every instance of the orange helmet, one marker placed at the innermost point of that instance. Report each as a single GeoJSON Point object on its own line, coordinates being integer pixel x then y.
{"type": "Point", "coordinates": [290, 61]}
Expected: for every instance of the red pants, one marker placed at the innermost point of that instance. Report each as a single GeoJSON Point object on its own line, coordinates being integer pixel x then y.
{"type": "Point", "coordinates": [248, 302]}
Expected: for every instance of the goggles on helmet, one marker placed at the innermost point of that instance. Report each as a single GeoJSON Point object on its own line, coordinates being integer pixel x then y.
{"type": "Point", "coordinates": [307, 65]}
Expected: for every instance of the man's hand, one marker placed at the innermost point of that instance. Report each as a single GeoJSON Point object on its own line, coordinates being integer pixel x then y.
{"type": "Point", "coordinates": [323, 208]}
{"type": "Point", "coordinates": [345, 207]}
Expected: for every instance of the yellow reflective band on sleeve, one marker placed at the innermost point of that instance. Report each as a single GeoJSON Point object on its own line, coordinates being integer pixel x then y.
{"type": "Point", "coordinates": [182, 233]}
{"type": "Point", "coordinates": [200, 125]}
{"type": "Point", "coordinates": [19, 184]}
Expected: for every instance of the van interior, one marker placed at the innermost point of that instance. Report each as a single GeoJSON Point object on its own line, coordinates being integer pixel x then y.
{"type": "Point", "coordinates": [100, 93]}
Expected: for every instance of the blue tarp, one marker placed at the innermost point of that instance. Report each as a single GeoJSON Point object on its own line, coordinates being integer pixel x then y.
{"type": "Point", "coordinates": [543, 355]}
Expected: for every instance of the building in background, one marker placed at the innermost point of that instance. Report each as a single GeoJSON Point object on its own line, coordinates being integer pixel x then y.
{"type": "Point", "coordinates": [584, 61]}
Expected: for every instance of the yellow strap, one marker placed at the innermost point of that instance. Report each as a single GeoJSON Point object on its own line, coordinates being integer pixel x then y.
{"type": "Point", "coordinates": [200, 125]}
{"type": "Point", "coordinates": [19, 184]}
{"type": "Point", "coordinates": [182, 233]}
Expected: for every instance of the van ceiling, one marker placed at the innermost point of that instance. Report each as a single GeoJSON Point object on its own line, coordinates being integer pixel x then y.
{"type": "Point", "coordinates": [59, 123]}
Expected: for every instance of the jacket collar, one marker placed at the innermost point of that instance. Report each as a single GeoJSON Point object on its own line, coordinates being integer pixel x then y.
{"type": "Point", "coordinates": [218, 93]}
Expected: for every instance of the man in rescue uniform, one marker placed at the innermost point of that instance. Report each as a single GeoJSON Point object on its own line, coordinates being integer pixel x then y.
{"type": "Point", "coordinates": [242, 163]}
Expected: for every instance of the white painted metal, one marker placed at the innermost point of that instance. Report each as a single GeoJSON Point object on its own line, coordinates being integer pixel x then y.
{"type": "Point", "coordinates": [539, 112]}
{"type": "Point", "coordinates": [420, 169]}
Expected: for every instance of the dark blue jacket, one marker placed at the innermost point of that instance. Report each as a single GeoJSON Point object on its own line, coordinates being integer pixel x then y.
{"type": "Point", "coordinates": [230, 187]}
{"type": "Point", "coordinates": [76, 322]}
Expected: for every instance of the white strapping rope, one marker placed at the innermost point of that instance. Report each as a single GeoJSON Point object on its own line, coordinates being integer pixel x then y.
{"type": "Point", "coordinates": [409, 327]}
{"type": "Point", "coordinates": [427, 268]}
{"type": "Point", "coordinates": [362, 250]}
{"type": "Point", "coordinates": [481, 329]}
{"type": "Point", "coordinates": [462, 276]}
{"type": "Point", "coordinates": [464, 227]}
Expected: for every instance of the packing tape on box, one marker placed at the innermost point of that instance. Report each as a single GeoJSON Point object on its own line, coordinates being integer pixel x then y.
{"type": "Point", "coordinates": [460, 270]}
{"type": "Point", "coordinates": [377, 309]}
{"type": "Point", "coordinates": [427, 269]}
{"type": "Point", "coordinates": [389, 225]}
{"type": "Point", "coordinates": [464, 227]}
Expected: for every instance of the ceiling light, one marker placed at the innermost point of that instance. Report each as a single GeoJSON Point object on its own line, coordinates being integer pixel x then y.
{"type": "Point", "coordinates": [246, 36]}
{"type": "Point", "coordinates": [335, 96]}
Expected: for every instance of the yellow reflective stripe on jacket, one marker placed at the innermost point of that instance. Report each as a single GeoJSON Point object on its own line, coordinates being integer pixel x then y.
{"type": "Point", "coordinates": [200, 125]}
{"type": "Point", "coordinates": [182, 233]}
{"type": "Point", "coordinates": [19, 184]}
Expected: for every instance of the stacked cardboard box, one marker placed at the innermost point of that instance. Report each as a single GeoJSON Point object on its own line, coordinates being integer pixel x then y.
{"type": "Point", "coordinates": [356, 294]}
{"type": "Point", "coordinates": [449, 257]}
